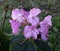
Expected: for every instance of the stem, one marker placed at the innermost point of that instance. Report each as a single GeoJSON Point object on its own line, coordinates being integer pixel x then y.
{"type": "Point", "coordinates": [5, 12]}
{"type": "Point", "coordinates": [3, 21]}
{"type": "Point", "coordinates": [23, 41]}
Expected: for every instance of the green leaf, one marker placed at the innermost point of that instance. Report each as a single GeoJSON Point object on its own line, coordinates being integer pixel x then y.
{"type": "Point", "coordinates": [17, 47]}
{"type": "Point", "coordinates": [4, 40]}
{"type": "Point", "coordinates": [55, 29]}
{"type": "Point", "coordinates": [17, 38]}
{"type": "Point", "coordinates": [43, 45]}
{"type": "Point", "coordinates": [3, 37]}
{"type": "Point", "coordinates": [15, 42]}
{"type": "Point", "coordinates": [29, 46]}
{"type": "Point", "coordinates": [7, 27]}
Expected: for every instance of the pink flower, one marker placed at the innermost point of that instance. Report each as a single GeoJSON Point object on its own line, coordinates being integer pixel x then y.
{"type": "Point", "coordinates": [15, 26]}
{"type": "Point", "coordinates": [30, 20]}
{"type": "Point", "coordinates": [44, 27]}
{"type": "Point", "coordinates": [21, 15]}
{"type": "Point", "coordinates": [18, 15]}
{"type": "Point", "coordinates": [30, 31]}
{"type": "Point", "coordinates": [32, 17]}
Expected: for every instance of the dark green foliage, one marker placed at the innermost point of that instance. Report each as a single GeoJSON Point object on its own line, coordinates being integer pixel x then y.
{"type": "Point", "coordinates": [29, 46]}
{"type": "Point", "coordinates": [4, 40]}
{"type": "Point", "coordinates": [43, 45]}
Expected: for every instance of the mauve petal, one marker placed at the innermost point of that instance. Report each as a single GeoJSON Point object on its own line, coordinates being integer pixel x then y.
{"type": "Point", "coordinates": [15, 31]}
{"type": "Point", "coordinates": [18, 15]}
{"type": "Point", "coordinates": [44, 30]}
{"type": "Point", "coordinates": [15, 13]}
{"type": "Point", "coordinates": [36, 30]}
{"type": "Point", "coordinates": [15, 26]}
{"type": "Point", "coordinates": [27, 35]}
{"type": "Point", "coordinates": [48, 20]}
{"type": "Point", "coordinates": [44, 27]}
{"type": "Point", "coordinates": [29, 20]}
{"type": "Point", "coordinates": [35, 21]}
{"type": "Point", "coordinates": [43, 37]}
{"type": "Point", "coordinates": [30, 31]}
{"type": "Point", "coordinates": [26, 28]}
{"type": "Point", "coordinates": [34, 35]}
{"type": "Point", "coordinates": [34, 12]}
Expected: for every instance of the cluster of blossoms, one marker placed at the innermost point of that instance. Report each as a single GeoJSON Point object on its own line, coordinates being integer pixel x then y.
{"type": "Point", "coordinates": [30, 20]}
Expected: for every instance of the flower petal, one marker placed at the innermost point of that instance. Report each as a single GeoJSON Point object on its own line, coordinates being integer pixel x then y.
{"type": "Point", "coordinates": [48, 20]}
{"type": "Point", "coordinates": [30, 31]}
{"type": "Point", "coordinates": [43, 37]}
{"type": "Point", "coordinates": [27, 35]}
{"type": "Point", "coordinates": [34, 12]}
{"type": "Point", "coordinates": [18, 15]}
{"type": "Point", "coordinates": [15, 26]}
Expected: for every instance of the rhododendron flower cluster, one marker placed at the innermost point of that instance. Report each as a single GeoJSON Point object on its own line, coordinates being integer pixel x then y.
{"type": "Point", "coordinates": [30, 20]}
